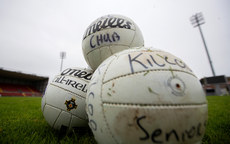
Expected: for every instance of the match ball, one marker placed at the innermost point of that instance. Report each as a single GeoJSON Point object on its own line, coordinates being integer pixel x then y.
{"type": "Point", "coordinates": [107, 35]}
{"type": "Point", "coordinates": [63, 104]}
{"type": "Point", "coordinates": [146, 96]}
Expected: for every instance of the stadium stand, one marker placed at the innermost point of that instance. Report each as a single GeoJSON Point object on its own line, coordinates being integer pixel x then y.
{"type": "Point", "coordinates": [20, 84]}
{"type": "Point", "coordinates": [216, 85]}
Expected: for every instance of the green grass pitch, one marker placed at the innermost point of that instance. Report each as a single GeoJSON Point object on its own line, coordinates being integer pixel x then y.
{"type": "Point", "coordinates": [218, 127]}
{"type": "Point", "coordinates": [21, 121]}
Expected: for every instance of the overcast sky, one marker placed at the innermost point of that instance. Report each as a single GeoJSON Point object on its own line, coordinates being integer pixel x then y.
{"type": "Point", "coordinates": [34, 32]}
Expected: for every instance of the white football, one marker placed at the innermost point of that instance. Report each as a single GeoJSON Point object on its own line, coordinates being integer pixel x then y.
{"type": "Point", "coordinates": [146, 96]}
{"type": "Point", "coordinates": [63, 104]}
{"type": "Point", "coordinates": [107, 35]}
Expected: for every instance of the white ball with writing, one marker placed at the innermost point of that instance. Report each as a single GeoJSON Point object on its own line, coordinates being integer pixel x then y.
{"type": "Point", "coordinates": [107, 35]}
{"type": "Point", "coordinates": [146, 96]}
{"type": "Point", "coordinates": [63, 104]}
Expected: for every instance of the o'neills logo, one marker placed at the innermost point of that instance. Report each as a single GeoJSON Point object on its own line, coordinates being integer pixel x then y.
{"type": "Point", "coordinates": [70, 82]}
{"type": "Point", "coordinates": [108, 22]}
{"type": "Point", "coordinates": [77, 73]}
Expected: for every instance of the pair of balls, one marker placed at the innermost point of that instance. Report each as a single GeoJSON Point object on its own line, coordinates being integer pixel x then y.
{"type": "Point", "coordinates": [63, 104]}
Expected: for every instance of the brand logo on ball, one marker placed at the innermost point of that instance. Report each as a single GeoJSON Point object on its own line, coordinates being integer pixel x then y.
{"type": "Point", "coordinates": [69, 82]}
{"type": "Point", "coordinates": [77, 73]}
{"type": "Point", "coordinates": [108, 22]}
{"type": "Point", "coordinates": [70, 104]}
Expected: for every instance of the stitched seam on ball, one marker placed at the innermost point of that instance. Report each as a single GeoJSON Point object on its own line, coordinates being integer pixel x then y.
{"type": "Point", "coordinates": [128, 51]}
{"type": "Point", "coordinates": [68, 91]}
{"type": "Point", "coordinates": [65, 111]}
{"type": "Point", "coordinates": [133, 51]}
{"type": "Point", "coordinates": [103, 103]}
{"type": "Point", "coordinates": [56, 119]}
{"type": "Point", "coordinates": [133, 37]}
{"type": "Point", "coordinates": [71, 118]}
{"type": "Point", "coordinates": [144, 71]}
{"type": "Point", "coordinates": [156, 105]}
{"type": "Point", "coordinates": [110, 51]}
{"type": "Point", "coordinates": [87, 60]}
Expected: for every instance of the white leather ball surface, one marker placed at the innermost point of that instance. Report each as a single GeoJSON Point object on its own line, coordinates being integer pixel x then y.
{"type": "Point", "coordinates": [63, 104]}
{"type": "Point", "coordinates": [107, 35]}
{"type": "Point", "coordinates": [145, 96]}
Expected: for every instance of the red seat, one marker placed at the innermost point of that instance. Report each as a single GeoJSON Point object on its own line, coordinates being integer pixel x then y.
{"type": "Point", "coordinates": [18, 90]}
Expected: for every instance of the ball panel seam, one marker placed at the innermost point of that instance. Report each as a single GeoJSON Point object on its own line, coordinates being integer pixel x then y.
{"type": "Point", "coordinates": [65, 111]}
{"type": "Point", "coordinates": [133, 38]}
{"type": "Point", "coordinates": [71, 116]}
{"type": "Point", "coordinates": [189, 105]}
{"type": "Point", "coordinates": [144, 71]}
{"type": "Point", "coordinates": [57, 118]}
{"type": "Point", "coordinates": [107, 125]}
